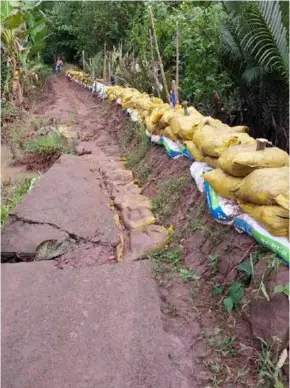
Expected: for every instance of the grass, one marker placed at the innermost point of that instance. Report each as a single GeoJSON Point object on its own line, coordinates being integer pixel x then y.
{"type": "Point", "coordinates": [213, 262]}
{"type": "Point", "coordinates": [141, 172]}
{"type": "Point", "coordinates": [222, 345]}
{"type": "Point", "coordinates": [187, 275]}
{"type": "Point", "coordinates": [216, 233]}
{"type": "Point", "coordinates": [166, 260]}
{"type": "Point", "coordinates": [49, 146]}
{"type": "Point", "coordinates": [9, 112]}
{"type": "Point", "coordinates": [168, 195]}
{"type": "Point", "coordinates": [14, 195]}
{"type": "Point", "coordinates": [135, 143]}
{"type": "Point", "coordinates": [269, 375]}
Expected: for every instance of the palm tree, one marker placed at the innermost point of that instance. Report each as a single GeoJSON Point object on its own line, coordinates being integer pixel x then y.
{"type": "Point", "coordinates": [256, 52]}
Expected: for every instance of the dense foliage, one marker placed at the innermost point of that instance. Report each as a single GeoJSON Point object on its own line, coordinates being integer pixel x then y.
{"type": "Point", "coordinates": [233, 56]}
{"type": "Point", "coordinates": [23, 29]}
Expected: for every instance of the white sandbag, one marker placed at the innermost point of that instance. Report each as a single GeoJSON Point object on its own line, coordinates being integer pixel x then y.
{"type": "Point", "coordinates": [171, 147]}
{"type": "Point", "coordinates": [222, 209]}
{"type": "Point", "coordinates": [279, 245]}
{"type": "Point", "coordinates": [197, 169]}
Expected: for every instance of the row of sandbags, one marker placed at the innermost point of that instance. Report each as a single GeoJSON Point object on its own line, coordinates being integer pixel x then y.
{"type": "Point", "coordinates": [238, 162]}
{"type": "Point", "coordinates": [78, 75]}
{"type": "Point", "coordinates": [258, 180]}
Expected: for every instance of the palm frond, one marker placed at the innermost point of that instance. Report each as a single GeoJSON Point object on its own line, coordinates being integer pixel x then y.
{"type": "Point", "coordinates": [230, 43]}
{"type": "Point", "coordinates": [266, 36]}
{"type": "Point", "coordinates": [251, 75]}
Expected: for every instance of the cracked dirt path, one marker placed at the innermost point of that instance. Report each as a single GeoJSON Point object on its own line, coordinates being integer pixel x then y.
{"type": "Point", "coordinates": [95, 323]}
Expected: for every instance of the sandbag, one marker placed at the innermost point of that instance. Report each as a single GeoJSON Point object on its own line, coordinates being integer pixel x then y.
{"type": "Point", "coordinates": [205, 131]}
{"type": "Point", "coordinates": [283, 200]}
{"type": "Point", "coordinates": [157, 113]}
{"type": "Point", "coordinates": [149, 125]}
{"type": "Point", "coordinates": [167, 132]}
{"type": "Point", "coordinates": [172, 148]}
{"type": "Point", "coordinates": [279, 245]}
{"type": "Point", "coordinates": [184, 125]}
{"type": "Point", "coordinates": [274, 218]}
{"type": "Point", "coordinates": [194, 151]}
{"type": "Point", "coordinates": [241, 160]}
{"type": "Point", "coordinates": [167, 116]}
{"type": "Point", "coordinates": [223, 183]}
{"type": "Point", "coordinates": [222, 209]}
{"type": "Point", "coordinates": [197, 169]}
{"type": "Point", "coordinates": [263, 186]}
{"type": "Point", "coordinates": [211, 161]}
{"type": "Point", "coordinates": [216, 145]}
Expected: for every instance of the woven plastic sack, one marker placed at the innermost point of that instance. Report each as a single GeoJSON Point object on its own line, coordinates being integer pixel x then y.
{"type": "Point", "coordinates": [279, 245]}
{"type": "Point", "coordinates": [263, 186]}
{"type": "Point", "coordinates": [172, 148]}
{"type": "Point", "coordinates": [167, 132]}
{"type": "Point", "coordinates": [185, 126]}
{"type": "Point", "coordinates": [283, 200]}
{"type": "Point", "coordinates": [216, 145]}
{"type": "Point", "coordinates": [164, 121]}
{"type": "Point", "coordinates": [222, 183]}
{"type": "Point", "coordinates": [274, 218]}
{"type": "Point", "coordinates": [194, 151]}
{"type": "Point", "coordinates": [149, 125]}
{"type": "Point", "coordinates": [197, 169]}
{"type": "Point", "coordinates": [157, 113]}
{"type": "Point", "coordinates": [222, 209]}
{"type": "Point", "coordinates": [211, 161]}
{"type": "Point", "coordinates": [243, 159]}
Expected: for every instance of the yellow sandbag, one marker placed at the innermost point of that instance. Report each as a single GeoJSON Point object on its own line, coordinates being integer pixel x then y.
{"type": "Point", "coordinates": [223, 183]}
{"type": "Point", "coordinates": [224, 127]}
{"type": "Point", "coordinates": [274, 218]}
{"type": "Point", "coordinates": [149, 125]}
{"type": "Point", "coordinates": [211, 161]}
{"type": "Point", "coordinates": [264, 185]}
{"type": "Point", "coordinates": [243, 159]}
{"type": "Point", "coordinates": [167, 116]}
{"type": "Point", "coordinates": [194, 150]}
{"type": "Point", "coordinates": [184, 125]}
{"type": "Point", "coordinates": [283, 200]}
{"type": "Point", "coordinates": [206, 131]}
{"type": "Point", "coordinates": [167, 132]}
{"type": "Point", "coordinates": [216, 145]}
{"type": "Point", "coordinates": [157, 113]}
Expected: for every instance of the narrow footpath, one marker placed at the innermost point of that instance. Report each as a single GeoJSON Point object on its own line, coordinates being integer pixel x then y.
{"type": "Point", "coordinates": [90, 316]}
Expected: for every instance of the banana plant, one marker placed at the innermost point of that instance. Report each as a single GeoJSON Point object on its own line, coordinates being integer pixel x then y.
{"type": "Point", "coordinates": [20, 32]}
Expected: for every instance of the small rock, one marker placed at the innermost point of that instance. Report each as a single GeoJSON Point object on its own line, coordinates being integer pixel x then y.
{"type": "Point", "coordinates": [111, 257]}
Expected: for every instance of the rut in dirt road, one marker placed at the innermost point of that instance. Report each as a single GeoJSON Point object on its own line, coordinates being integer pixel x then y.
{"type": "Point", "coordinates": [83, 320]}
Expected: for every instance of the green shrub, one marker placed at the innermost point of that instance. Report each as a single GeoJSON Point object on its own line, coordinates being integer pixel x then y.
{"type": "Point", "coordinates": [14, 195]}
{"type": "Point", "coordinates": [49, 146]}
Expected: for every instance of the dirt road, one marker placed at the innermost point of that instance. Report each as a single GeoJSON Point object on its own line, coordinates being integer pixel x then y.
{"type": "Point", "coordinates": [83, 319]}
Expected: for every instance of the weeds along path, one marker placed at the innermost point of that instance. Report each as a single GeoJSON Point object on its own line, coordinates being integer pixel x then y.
{"type": "Point", "coordinates": [110, 317]}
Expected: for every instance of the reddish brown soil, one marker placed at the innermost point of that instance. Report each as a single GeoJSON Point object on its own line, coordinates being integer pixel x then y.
{"type": "Point", "coordinates": [189, 310]}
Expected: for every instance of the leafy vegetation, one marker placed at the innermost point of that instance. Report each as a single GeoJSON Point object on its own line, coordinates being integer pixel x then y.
{"type": "Point", "coordinates": [23, 30]}
{"type": "Point", "coordinates": [49, 146]}
{"type": "Point", "coordinates": [233, 56]}
{"type": "Point", "coordinates": [13, 195]}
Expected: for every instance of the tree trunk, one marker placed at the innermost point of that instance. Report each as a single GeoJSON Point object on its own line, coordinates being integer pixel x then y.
{"type": "Point", "coordinates": [177, 65]}
{"type": "Point", "coordinates": [153, 65]}
{"type": "Point", "coordinates": [159, 56]}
